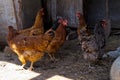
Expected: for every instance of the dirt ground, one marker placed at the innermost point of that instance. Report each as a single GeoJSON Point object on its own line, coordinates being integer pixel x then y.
{"type": "Point", "coordinates": [70, 65]}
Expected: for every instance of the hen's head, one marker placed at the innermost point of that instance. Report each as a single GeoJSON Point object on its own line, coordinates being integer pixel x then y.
{"type": "Point", "coordinates": [78, 14]}
{"type": "Point", "coordinates": [10, 28]}
{"type": "Point", "coordinates": [103, 22]}
{"type": "Point", "coordinates": [11, 32]}
{"type": "Point", "coordinates": [59, 19]}
{"type": "Point", "coordinates": [64, 22]}
{"type": "Point", "coordinates": [57, 22]}
{"type": "Point", "coordinates": [41, 12]}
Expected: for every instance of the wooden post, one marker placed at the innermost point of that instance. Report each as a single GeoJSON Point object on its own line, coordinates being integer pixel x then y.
{"type": "Point", "coordinates": [108, 28]}
{"type": "Point", "coordinates": [17, 4]}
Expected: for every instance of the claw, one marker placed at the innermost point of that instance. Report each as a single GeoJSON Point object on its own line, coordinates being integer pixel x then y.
{"type": "Point", "coordinates": [21, 67]}
{"type": "Point", "coordinates": [31, 68]}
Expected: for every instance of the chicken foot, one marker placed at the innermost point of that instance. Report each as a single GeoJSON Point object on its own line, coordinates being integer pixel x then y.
{"type": "Point", "coordinates": [31, 67]}
{"type": "Point", "coordinates": [52, 58]}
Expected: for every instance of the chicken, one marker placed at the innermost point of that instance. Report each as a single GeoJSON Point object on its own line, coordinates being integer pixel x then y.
{"type": "Point", "coordinates": [99, 32]}
{"type": "Point", "coordinates": [29, 48]}
{"type": "Point", "coordinates": [92, 44]}
{"type": "Point", "coordinates": [58, 40]}
{"type": "Point", "coordinates": [37, 28]}
{"type": "Point", "coordinates": [82, 29]}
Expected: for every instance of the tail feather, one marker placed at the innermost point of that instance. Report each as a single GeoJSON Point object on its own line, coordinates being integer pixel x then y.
{"type": "Point", "coordinates": [99, 34]}
{"type": "Point", "coordinates": [11, 32]}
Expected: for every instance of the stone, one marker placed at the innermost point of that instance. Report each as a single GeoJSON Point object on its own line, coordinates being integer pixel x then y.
{"type": "Point", "coordinates": [112, 54]}
{"type": "Point", "coordinates": [118, 49]}
{"type": "Point", "coordinates": [115, 70]}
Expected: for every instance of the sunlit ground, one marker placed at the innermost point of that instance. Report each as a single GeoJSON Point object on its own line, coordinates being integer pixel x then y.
{"type": "Point", "coordinates": [10, 71]}
{"type": "Point", "coordinates": [57, 77]}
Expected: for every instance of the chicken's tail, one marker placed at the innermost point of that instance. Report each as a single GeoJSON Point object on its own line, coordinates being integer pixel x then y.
{"type": "Point", "coordinates": [11, 32]}
{"type": "Point", "coordinates": [99, 33]}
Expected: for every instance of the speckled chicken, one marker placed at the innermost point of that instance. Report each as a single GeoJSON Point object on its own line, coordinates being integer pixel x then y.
{"type": "Point", "coordinates": [92, 44]}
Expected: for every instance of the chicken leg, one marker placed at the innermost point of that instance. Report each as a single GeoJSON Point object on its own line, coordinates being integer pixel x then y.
{"type": "Point", "coordinates": [31, 66]}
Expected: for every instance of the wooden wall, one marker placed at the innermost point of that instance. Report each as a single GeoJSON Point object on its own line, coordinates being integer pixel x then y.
{"type": "Point", "coordinates": [7, 17]}
{"type": "Point", "coordinates": [114, 13]}
{"type": "Point", "coordinates": [101, 9]}
{"type": "Point", "coordinates": [94, 10]}
{"type": "Point", "coordinates": [66, 9]}
{"type": "Point", "coordinates": [29, 9]}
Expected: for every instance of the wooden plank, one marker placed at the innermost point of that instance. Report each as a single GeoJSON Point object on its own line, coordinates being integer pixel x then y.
{"type": "Point", "coordinates": [96, 10]}
{"type": "Point", "coordinates": [7, 17]}
{"type": "Point", "coordinates": [114, 13]}
{"type": "Point", "coordinates": [17, 4]}
{"type": "Point", "coordinates": [29, 9]}
{"type": "Point", "coordinates": [66, 9]}
{"type": "Point", "coordinates": [53, 9]}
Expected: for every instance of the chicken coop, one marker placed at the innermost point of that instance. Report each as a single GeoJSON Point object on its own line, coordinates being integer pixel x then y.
{"type": "Point", "coordinates": [21, 13]}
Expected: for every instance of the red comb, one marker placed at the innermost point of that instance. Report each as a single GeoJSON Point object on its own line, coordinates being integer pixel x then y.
{"type": "Point", "coordinates": [78, 14]}
{"type": "Point", "coordinates": [65, 22]}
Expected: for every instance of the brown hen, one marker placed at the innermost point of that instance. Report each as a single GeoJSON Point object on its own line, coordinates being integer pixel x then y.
{"type": "Point", "coordinates": [58, 40]}
{"type": "Point", "coordinates": [92, 44]}
{"type": "Point", "coordinates": [29, 48]}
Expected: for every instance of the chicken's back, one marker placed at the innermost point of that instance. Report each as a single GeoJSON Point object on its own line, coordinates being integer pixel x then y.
{"type": "Point", "coordinates": [37, 28]}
